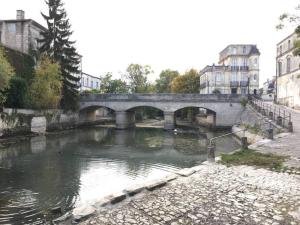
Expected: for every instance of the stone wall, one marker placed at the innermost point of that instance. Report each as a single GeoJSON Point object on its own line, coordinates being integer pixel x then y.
{"type": "Point", "coordinates": [22, 121]}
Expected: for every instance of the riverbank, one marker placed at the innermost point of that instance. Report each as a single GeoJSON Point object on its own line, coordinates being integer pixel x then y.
{"type": "Point", "coordinates": [214, 194]}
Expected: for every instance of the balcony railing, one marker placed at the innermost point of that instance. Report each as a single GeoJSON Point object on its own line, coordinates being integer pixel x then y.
{"type": "Point", "coordinates": [244, 68]}
{"type": "Point", "coordinates": [234, 83]}
{"type": "Point", "coordinates": [244, 83]}
{"type": "Point", "coordinates": [234, 68]}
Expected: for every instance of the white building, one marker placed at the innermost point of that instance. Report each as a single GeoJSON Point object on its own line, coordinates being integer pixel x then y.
{"type": "Point", "coordinates": [288, 73]}
{"type": "Point", "coordinates": [20, 34]}
{"type": "Point", "coordinates": [89, 82]}
{"type": "Point", "coordinates": [236, 73]}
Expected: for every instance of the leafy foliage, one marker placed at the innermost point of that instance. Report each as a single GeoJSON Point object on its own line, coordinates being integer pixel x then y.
{"type": "Point", "coordinates": [164, 83]}
{"type": "Point", "coordinates": [137, 76]}
{"type": "Point", "coordinates": [6, 72]}
{"type": "Point", "coordinates": [47, 86]}
{"type": "Point", "coordinates": [187, 83]}
{"type": "Point", "coordinates": [17, 94]}
{"type": "Point", "coordinates": [115, 86]}
{"type": "Point", "coordinates": [57, 45]}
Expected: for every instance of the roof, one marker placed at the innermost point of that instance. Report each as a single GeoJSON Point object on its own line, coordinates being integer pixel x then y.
{"type": "Point", "coordinates": [26, 20]}
{"type": "Point", "coordinates": [253, 50]}
{"type": "Point", "coordinates": [91, 75]}
{"type": "Point", "coordinates": [211, 68]}
{"type": "Point", "coordinates": [279, 43]}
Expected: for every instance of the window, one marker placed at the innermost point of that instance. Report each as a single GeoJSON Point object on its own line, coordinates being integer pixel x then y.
{"type": "Point", "coordinates": [244, 91]}
{"type": "Point", "coordinates": [289, 44]}
{"type": "Point", "coordinates": [11, 28]}
{"type": "Point", "coordinates": [234, 51]}
{"type": "Point", "coordinates": [255, 62]}
{"type": "Point", "coordinates": [92, 84]}
{"type": "Point", "coordinates": [279, 68]}
{"type": "Point", "coordinates": [97, 84]}
{"type": "Point", "coordinates": [255, 77]}
{"type": "Point", "coordinates": [245, 62]}
{"type": "Point", "coordinates": [233, 62]}
{"type": "Point", "coordinates": [244, 50]}
{"type": "Point", "coordinates": [219, 77]}
{"type": "Point", "coordinates": [288, 65]}
{"type": "Point", "coordinates": [87, 81]}
{"type": "Point", "coordinates": [280, 49]}
{"type": "Point", "coordinates": [244, 77]}
{"type": "Point", "coordinates": [234, 76]}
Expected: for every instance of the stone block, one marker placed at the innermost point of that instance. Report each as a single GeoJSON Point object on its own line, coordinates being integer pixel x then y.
{"type": "Point", "coordinates": [131, 191]}
{"type": "Point", "coordinates": [83, 212]}
{"type": "Point", "coordinates": [185, 172]}
{"type": "Point", "coordinates": [155, 184]}
{"type": "Point", "coordinates": [38, 125]}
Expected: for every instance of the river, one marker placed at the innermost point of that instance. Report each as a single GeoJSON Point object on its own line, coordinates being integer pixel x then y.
{"type": "Point", "coordinates": [78, 167]}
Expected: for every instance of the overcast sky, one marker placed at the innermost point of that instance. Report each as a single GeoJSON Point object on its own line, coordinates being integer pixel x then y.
{"type": "Point", "coordinates": [175, 34]}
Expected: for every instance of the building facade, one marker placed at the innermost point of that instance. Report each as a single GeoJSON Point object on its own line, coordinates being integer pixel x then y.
{"type": "Point", "coordinates": [20, 34]}
{"type": "Point", "coordinates": [288, 73]}
{"type": "Point", "coordinates": [236, 73]}
{"type": "Point", "coordinates": [89, 82]}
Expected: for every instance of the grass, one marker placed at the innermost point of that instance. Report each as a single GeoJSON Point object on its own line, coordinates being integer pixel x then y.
{"type": "Point", "coordinates": [253, 158]}
{"type": "Point", "coordinates": [252, 129]}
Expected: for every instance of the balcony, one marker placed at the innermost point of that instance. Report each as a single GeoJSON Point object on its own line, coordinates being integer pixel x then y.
{"type": "Point", "coordinates": [234, 83]}
{"type": "Point", "coordinates": [234, 68]}
{"type": "Point", "coordinates": [244, 68]}
{"type": "Point", "coordinates": [244, 83]}
{"type": "Point", "coordinates": [203, 85]}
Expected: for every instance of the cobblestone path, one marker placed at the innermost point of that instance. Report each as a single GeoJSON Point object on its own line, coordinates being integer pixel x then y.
{"type": "Point", "coordinates": [213, 195]}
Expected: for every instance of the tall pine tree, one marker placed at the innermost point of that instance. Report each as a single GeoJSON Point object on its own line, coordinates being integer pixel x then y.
{"type": "Point", "coordinates": [57, 45]}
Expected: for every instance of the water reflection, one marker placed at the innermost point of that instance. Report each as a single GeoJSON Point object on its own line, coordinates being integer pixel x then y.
{"type": "Point", "coordinates": [78, 167]}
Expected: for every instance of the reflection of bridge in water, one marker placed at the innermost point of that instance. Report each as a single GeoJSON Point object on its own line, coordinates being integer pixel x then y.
{"type": "Point", "coordinates": [225, 109]}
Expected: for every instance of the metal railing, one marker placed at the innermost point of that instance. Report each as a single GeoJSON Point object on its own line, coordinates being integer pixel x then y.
{"type": "Point", "coordinates": [211, 140]}
{"type": "Point", "coordinates": [281, 116]}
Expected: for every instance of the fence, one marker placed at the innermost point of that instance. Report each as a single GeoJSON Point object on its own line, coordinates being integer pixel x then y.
{"type": "Point", "coordinates": [281, 116]}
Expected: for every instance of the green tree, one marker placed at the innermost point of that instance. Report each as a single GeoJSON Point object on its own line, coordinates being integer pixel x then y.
{"type": "Point", "coordinates": [187, 83]}
{"type": "Point", "coordinates": [17, 94]}
{"type": "Point", "coordinates": [137, 76]}
{"type": "Point", "coordinates": [57, 45]}
{"type": "Point", "coordinates": [45, 91]}
{"type": "Point", "coordinates": [6, 72]}
{"type": "Point", "coordinates": [164, 83]}
{"type": "Point", "coordinates": [115, 86]}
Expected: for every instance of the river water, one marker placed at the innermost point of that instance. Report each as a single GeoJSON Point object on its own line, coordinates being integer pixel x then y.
{"type": "Point", "coordinates": [71, 169]}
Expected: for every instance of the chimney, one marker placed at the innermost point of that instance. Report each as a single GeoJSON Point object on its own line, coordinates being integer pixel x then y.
{"type": "Point", "coordinates": [20, 15]}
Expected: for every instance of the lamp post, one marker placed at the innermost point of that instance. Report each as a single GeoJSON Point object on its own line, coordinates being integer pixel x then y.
{"type": "Point", "coordinates": [248, 83]}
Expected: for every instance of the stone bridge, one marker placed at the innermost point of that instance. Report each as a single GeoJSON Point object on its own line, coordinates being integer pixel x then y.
{"type": "Point", "coordinates": [225, 109]}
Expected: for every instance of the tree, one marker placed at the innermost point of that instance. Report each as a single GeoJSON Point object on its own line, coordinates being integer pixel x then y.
{"type": "Point", "coordinates": [187, 83]}
{"type": "Point", "coordinates": [45, 91]}
{"type": "Point", "coordinates": [17, 94]}
{"type": "Point", "coordinates": [137, 77]}
{"type": "Point", "coordinates": [6, 72]}
{"type": "Point", "coordinates": [164, 83]}
{"type": "Point", "coordinates": [57, 45]}
{"type": "Point", "coordinates": [115, 86]}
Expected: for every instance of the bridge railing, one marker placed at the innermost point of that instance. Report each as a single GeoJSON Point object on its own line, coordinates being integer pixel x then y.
{"type": "Point", "coordinates": [161, 97]}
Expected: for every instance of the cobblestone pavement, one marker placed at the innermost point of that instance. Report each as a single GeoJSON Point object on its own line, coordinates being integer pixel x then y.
{"type": "Point", "coordinates": [213, 195]}
{"type": "Point", "coordinates": [289, 144]}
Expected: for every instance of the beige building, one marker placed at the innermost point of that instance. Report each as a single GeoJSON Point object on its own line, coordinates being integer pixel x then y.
{"type": "Point", "coordinates": [236, 73]}
{"type": "Point", "coordinates": [288, 73]}
{"type": "Point", "coordinates": [20, 34]}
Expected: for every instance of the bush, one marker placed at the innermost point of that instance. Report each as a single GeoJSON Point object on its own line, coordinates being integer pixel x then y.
{"type": "Point", "coordinates": [17, 96]}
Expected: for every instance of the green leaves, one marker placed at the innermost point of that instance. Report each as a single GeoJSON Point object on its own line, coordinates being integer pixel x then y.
{"type": "Point", "coordinates": [6, 72]}
{"type": "Point", "coordinates": [46, 89]}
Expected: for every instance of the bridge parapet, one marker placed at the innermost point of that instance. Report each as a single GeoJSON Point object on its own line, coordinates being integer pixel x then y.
{"type": "Point", "coordinates": [160, 97]}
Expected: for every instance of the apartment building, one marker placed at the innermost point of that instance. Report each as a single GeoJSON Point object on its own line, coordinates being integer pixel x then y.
{"type": "Point", "coordinates": [89, 82]}
{"type": "Point", "coordinates": [236, 73]}
{"type": "Point", "coordinates": [288, 73]}
{"type": "Point", "coordinates": [20, 34]}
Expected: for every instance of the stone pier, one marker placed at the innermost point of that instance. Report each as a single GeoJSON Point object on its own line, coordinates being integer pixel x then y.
{"type": "Point", "coordinates": [169, 120]}
{"type": "Point", "coordinates": [125, 120]}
